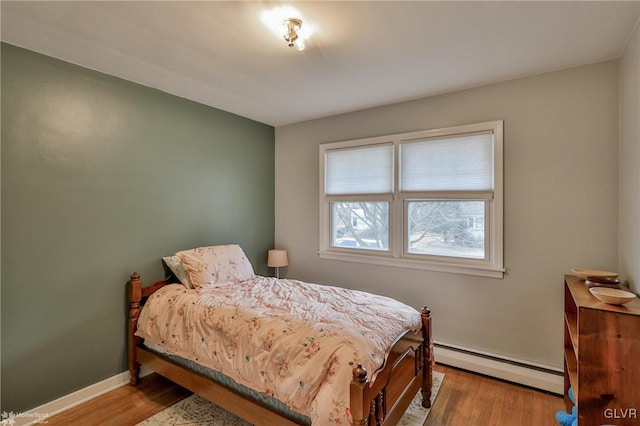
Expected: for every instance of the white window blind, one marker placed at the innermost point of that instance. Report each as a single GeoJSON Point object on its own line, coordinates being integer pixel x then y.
{"type": "Point", "coordinates": [460, 163]}
{"type": "Point", "coordinates": [360, 170]}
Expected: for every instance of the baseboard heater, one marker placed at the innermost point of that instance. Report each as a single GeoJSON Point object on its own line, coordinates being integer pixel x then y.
{"type": "Point", "coordinates": [541, 377]}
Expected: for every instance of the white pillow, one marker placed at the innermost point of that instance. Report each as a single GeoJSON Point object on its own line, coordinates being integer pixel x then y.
{"type": "Point", "coordinates": [216, 264]}
{"type": "Point", "coordinates": [173, 262]}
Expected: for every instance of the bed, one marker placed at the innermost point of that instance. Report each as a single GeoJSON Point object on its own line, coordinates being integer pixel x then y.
{"type": "Point", "coordinates": [279, 351]}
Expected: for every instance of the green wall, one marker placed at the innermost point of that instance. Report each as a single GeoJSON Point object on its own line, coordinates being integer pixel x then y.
{"type": "Point", "coordinates": [102, 177]}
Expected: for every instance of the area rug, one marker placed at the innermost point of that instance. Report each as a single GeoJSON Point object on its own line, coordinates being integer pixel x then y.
{"type": "Point", "coordinates": [197, 411]}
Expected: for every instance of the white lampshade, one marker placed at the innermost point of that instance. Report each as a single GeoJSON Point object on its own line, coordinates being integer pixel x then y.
{"type": "Point", "coordinates": [277, 258]}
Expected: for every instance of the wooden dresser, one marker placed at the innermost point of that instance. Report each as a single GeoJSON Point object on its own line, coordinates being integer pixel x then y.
{"type": "Point", "coordinates": [601, 357]}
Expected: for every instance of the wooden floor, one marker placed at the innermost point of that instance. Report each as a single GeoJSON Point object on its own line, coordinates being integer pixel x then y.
{"type": "Point", "coordinates": [467, 399]}
{"type": "Point", "coordinates": [464, 399]}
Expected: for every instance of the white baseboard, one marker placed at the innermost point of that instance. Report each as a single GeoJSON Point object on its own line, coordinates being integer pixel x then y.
{"type": "Point", "coordinates": [536, 376]}
{"type": "Point", "coordinates": [42, 413]}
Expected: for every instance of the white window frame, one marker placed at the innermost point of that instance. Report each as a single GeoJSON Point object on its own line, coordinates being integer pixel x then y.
{"type": "Point", "coordinates": [491, 266]}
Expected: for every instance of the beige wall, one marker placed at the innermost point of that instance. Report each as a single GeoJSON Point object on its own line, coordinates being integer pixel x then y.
{"type": "Point", "coordinates": [629, 160]}
{"type": "Point", "coordinates": [561, 206]}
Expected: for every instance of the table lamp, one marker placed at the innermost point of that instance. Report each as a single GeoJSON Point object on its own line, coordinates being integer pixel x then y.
{"type": "Point", "coordinates": [277, 259]}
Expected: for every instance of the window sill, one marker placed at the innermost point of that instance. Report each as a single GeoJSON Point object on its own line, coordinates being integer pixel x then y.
{"type": "Point", "coordinates": [386, 260]}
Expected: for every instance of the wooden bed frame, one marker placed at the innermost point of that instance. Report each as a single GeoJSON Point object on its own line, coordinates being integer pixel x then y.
{"type": "Point", "coordinates": [378, 403]}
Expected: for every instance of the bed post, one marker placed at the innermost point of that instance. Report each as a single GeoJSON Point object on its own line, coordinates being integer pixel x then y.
{"type": "Point", "coordinates": [135, 296]}
{"type": "Point", "coordinates": [427, 357]}
{"type": "Point", "coordinates": [359, 412]}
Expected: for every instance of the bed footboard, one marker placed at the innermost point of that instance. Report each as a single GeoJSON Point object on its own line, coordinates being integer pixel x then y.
{"type": "Point", "coordinates": [408, 369]}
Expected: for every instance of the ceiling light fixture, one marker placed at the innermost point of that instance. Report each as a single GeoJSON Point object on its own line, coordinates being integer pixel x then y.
{"type": "Point", "coordinates": [291, 34]}
{"type": "Point", "coordinates": [286, 22]}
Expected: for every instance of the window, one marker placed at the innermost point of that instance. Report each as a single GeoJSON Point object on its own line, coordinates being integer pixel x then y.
{"type": "Point", "coordinates": [429, 200]}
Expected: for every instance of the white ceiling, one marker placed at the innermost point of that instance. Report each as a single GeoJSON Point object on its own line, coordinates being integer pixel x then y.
{"type": "Point", "coordinates": [363, 54]}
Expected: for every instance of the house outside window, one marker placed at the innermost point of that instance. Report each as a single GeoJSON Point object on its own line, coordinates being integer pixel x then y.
{"type": "Point", "coordinates": [429, 200]}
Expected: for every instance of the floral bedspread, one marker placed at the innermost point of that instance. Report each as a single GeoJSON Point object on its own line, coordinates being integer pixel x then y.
{"type": "Point", "coordinates": [296, 341]}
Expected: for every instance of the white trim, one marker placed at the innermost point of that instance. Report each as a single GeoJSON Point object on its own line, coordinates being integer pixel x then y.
{"type": "Point", "coordinates": [42, 413]}
{"type": "Point", "coordinates": [477, 270]}
{"type": "Point", "coordinates": [510, 369]}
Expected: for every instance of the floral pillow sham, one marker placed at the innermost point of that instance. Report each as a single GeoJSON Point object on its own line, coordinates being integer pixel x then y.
{"type": "Point", "coordinates": [216, 265]}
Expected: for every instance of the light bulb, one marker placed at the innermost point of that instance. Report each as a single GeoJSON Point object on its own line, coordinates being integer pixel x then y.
{"type": "Point", "coordinates": [299, 44]}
